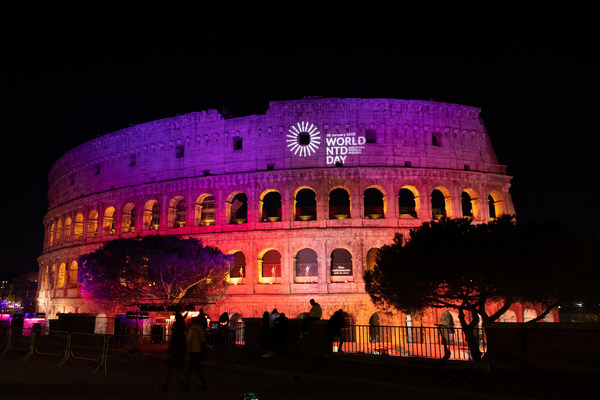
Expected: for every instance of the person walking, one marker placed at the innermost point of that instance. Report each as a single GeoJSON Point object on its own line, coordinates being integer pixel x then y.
{"type": "Point", "coordinates": [177, 348]}
{"type": "Point", "coordinates": [334, 329]}
{"type": "Point", "coordinates": [196, 346]}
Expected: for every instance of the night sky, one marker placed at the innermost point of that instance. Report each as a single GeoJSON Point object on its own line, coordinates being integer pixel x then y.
{"type": "Point", "coordinates": [72, 74]}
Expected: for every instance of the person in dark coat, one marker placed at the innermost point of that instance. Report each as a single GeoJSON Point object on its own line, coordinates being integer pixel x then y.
{"type": "Point", "coordinates": [177, 348]}
{"type": "Point", "coordinates": [334, 329]}
{"type": "Point", "coordinates": [280, 330]}
{"type": "Point", "coordinates": [265, 336]}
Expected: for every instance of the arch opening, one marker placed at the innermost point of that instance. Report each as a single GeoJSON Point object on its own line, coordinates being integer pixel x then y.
{"type": "Point", "coordinates": [306, 266]}
{"type": "Point", "coordinates": [373, 204]}
{"type": "Point", "coordinates": [407, 204]}
{"type": "Point", "coordinates": [341, 266]}
{"type": "Point", "coordinates": [270, 267]}
{"type": "Point", "coordinates": [270, 207]}
{"type": "Point", "coordinates": [339, 204]}
{"type": "Point", "coordinates": [305, 205]}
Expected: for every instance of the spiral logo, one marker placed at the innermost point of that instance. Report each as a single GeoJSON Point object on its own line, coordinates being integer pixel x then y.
{"type": "Point", "coordinates": [303, 139]}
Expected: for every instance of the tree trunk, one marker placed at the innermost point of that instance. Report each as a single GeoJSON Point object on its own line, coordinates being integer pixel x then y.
{"type": "Point", "coordinates": [470, 337]}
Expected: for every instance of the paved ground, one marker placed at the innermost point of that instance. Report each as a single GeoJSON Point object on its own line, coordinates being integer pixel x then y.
{"type": "Point", "coordinates": [285, 377]}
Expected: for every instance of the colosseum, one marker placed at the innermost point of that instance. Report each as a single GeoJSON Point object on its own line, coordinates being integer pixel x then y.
{"type": "Point", "coordinates": [302, 196]}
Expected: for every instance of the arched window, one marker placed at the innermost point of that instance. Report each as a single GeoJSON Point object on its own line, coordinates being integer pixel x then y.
{"type": "Point", "coordinates": [128, 224]}
{"type": "Point", "coordinates": [305, 205]}
{"type": "Point", "coordinates": [307, 267]}
{"type": "Point", "coordinates": [68, 229]}
{"type": "Point", "coordinates": [238, 269]}
{"type": "Point", "coordinates": [205, 210]}
{"type": "Point", "coordinates": [237, 209]}
{"type": "Point", "coordinates": [339, 204]}
{"type": "Point", "coordinates": [407, 203]}
{"type": "Point", "coordinates": [78, 228]}
{"type": "Point", "coordinates": [374, 328]}
{"type": "Point", "coordinates": [52, 280]}
{"type": "Point", "coordinates": [270, 267]}
{"type": "Point", "coordinates": [495, 204]}
{"type": "Point", "coordinates": [59, 231]}
{"type": "Point", "coordinates": [93, 224]}
{"type": "Point", "coordinates": [467, 207]}
{"type": "Point", "coordinates": [470, 204]}
{"type": "Point", "coordinates": [61, 276]}
{"type": "Point", "coordinates": [72, 279]}
{"type": "Point", "coordinates": [438, 205]}
{"type": "Point", "coordinates": [372, 258]}
{"type": "Point", "coordinates": [270, 207]}
{"type": "Point", "coordinates": [51, 239]}
{"type": "Point", "coordinates": [46, 278]}
{"type": "Point", "coordinates": [341, 266]}
{"type": "Point", "coordinates": [109, 221]}
{"type": "Point", "coordinates": [151, 215]}
{"type": "Point", "coordinates": [177, 212]}
{"type": "Point", "coordinates": [373, 204]}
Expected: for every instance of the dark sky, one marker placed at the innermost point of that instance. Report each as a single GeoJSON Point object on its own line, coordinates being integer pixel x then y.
{"type": "Point", "coordinates": [73, 73]}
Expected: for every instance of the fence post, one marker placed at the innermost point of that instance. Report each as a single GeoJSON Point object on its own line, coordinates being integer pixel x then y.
{"type": "Point", "coordinates": [7, 349]}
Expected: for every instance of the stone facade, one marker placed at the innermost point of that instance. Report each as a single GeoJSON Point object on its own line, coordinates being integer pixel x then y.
{"type": "Point", "coordinates": [336, 176]}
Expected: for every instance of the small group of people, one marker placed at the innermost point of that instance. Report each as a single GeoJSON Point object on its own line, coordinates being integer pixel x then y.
{"type": "Point", "coordinates": [334, 325]}
{"type": "Point", "coordinates": [274, 330]}
{"type": "Point", "coordinates": [193, 343]}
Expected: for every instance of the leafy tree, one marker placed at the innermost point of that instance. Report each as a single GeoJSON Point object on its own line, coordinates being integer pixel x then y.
{"type": "Point", "coordinates": [458, 265]}
{"type": "Point", "coordinates": [157, 267]}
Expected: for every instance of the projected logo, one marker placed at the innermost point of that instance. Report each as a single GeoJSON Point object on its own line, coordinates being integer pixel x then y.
{"type": "Point", "coordinates": [303, 139]}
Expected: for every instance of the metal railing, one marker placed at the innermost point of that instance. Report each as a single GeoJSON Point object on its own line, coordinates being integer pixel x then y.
{"type": "Point", "coordinates": [408, 341]}
{"type": "Point", "coordinates": [100, 347]}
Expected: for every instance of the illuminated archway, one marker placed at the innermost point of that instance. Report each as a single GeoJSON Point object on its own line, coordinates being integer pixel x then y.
{"type": "Point", "coordinates": [237, 271]}
{"type": "Point", "coordinates": [177, 212]}
{"type": "Point", "coordinates": [93, 224]}
{"type": "Point", "coordinates": [470, 204]}
{"type": "Point", "coordinates": [151, 215]}
{"type": "Point", "coordinates": [52, 279]}
{"type": "Point", "coordinates": [51, 235]}
{"type": "Point", "coordinates": [67, 234]}
{"type": "Point", "coordinates": [409, 201]}
{"type": "Point", "coordinates": [205, 210]}
{"type": "Point", "coordinates": [269, 206]}
{"type": "Point", "coordinates": [341, 266]}
{"type": "Point", "coordinates": [305, 204]}
{"type": "Point", "coordinates": [374, 203]}
{"type": "Point", "coordinates": [72, 276]}
{"type": "Point", "coordinates": [58, 231]}
{"type": "Point", "coordinates": [237, 208]}
{"type": "Point", "coordinates": [441, 203]}
{"type": "Point", "coordinates": [78, 228]}
{"type": "Point", "coordinates": [306, 266]}
{"type": "Point", "coordinates": [60, 284]}
{"type": "Point", "coordinates": [269, 266]}
{"type": "Point", "coordinates": [339, 203]}
{"type": "Point", "coordinates": [495, 205]}
{"type": "Point", "coordinates": [372, 258]}
{"type": "Point", "coordinates": [128, 223]}
{"type": "Point", "coordinates": [108, 225]}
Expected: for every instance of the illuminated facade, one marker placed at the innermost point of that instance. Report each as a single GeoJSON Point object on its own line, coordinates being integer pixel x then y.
{"type": "Point", "coordinates": [303, 196]}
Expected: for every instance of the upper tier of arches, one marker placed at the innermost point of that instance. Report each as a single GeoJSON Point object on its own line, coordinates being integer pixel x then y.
{"type": "Point", "coordinates": [304, 206]}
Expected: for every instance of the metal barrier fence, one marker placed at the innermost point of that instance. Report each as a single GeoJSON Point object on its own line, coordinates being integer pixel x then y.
{"type": "Point", "coordinates": [407, 341]}
{"type": "Point", "coordinates": [65, 345]}
{"type": "Point", "coordinates": [220, 340]}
